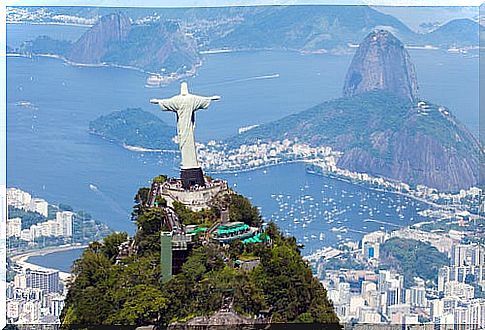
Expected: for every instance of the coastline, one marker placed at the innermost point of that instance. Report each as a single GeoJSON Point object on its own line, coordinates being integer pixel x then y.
{"type": "Point", "coordinates": [364, 185]}
{"type": "Point", "coordinates": [236, 171]}
{"type": "Point", "coordinates": [49, 23]}
{"type": "Point", "coordinates": [22, 258]}
{"type": "Point", "coordinates": [104, 65]}
{"type": "Point", "coordinates": [142, 149]}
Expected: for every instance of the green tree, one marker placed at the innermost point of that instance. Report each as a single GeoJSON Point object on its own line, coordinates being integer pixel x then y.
{"type": "Point", "coordinates": [141, 201]}
{"type": "Point", "coordinates": [111, 244]}
{"type": "Point", "coordinates": [241, 209]}
{"type": "Point", "coordinates": [149, 224]}
{"type": "Point", "coordinates": [143, 304]}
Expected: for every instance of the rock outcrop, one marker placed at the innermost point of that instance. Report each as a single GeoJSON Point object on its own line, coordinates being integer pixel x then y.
{"type": "Point", "coordinates": [381, 63]}
{"type": "Point", "coordinates": [96, 42]}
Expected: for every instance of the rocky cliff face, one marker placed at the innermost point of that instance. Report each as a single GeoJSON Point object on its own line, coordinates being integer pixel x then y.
{"type": "Point", "coordinates": [445, 156]}
{"type": "Point", "coordinates": [95, 43]}
{"type": "Point", "coordinates": [381, 63]}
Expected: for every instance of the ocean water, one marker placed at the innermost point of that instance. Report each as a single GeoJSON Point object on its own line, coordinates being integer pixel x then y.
{"type": "Point", "coordinates": [58, 260]}
{"type": "Point", "coordinates": [51, 154]}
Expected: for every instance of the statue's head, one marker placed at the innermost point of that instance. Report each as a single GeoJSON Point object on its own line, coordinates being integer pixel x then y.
{"type": "Point", "coordinates": [184, 88]}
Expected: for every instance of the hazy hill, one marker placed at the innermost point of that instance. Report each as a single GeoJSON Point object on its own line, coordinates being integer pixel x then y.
{"type": "Point", "coordinates": [308, 27]}
{"type": "Point", "coordinates": [169, 39]}
{"type": "Point", "coordinates": [458, 32]}
{"type": "Point", "coordinates": [155, 48]}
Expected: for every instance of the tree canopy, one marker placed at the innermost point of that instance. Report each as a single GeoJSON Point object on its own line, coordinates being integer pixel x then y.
{"type": "Point", "coordinates": [112, 290]}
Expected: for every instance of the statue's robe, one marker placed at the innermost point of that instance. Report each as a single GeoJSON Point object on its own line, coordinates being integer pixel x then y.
{"type": "Point", "coordinates": [185, 107]}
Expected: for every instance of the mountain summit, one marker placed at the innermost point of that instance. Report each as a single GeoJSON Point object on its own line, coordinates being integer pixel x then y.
{"type": "Point", "coordinates": [382, 63]}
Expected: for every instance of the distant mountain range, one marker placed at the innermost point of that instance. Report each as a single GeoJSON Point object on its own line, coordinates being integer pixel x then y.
{"type": "Point", "coordinates": [169, 40]}
{"type": "Point", "coordinates": [381, 127]}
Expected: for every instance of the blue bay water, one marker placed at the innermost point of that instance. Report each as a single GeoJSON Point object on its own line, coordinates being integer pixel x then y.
{"type": "Point", "coordinates": [57, 260]}
{"type": "Point", "coordinates": [51, 154]}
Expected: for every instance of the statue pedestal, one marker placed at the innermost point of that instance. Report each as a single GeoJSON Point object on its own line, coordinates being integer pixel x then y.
{"type": "Point", "coordinates": [191, 177]}
{"type": "Point", "coordinates": [195, 198]}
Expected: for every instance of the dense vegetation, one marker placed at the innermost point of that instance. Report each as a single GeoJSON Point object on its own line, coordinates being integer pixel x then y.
{"type": "Point", "coordinates": [29, 218]}
{"type": "Point", "coordinates": [129, 292]}
{"type": "Point", "coordinates": [134, 127]}
{"type": "Point", "coordinates": [240, 209]}
{"type": "Point", "coordinates": [413, 259]}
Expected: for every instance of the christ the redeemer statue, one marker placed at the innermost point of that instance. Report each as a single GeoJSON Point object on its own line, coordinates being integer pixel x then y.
{"type": "Point", "coordinates": [185, 105]}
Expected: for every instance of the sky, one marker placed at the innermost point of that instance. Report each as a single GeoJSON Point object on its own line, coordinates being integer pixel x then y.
{"type": "Point", "coordinates": [217, 3]}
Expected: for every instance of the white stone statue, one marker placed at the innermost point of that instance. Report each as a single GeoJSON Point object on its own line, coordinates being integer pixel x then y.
{"type": "Point", "coordinates": [185, 105]}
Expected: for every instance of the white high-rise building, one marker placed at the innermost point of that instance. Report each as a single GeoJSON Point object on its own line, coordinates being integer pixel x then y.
{"type": "Point", "coordinates": [20, 280]}
{"type": "Point", "coordinates": [14, 227]}
{"type": "Point", "coordinates": [344, 292]}
{"type": "Point", "coordinates": [56, 305]}
{"type": "Point", "coordinates": [40, 206]}
{"type": "Point", "coordinates": [35, 231]}
{"type": "Point", "coordinates": [460, 274]}
{"type": "Point", "coordinates": [418, 296]}
{"type": "Point", "coordinates": [25, 235]}
{"type": "Point", "coordinates": [18, 198]}
{"type": "Point", "coordinates": [459, 290]}
{"type": "Point", "coordinates": [371, 244]}
{"type": "Point", "coordinates": [65, 219]}
{"type": "Point", "coordinates": [467, 255]}
{"type": "Point", "coordinates": [13, 309]}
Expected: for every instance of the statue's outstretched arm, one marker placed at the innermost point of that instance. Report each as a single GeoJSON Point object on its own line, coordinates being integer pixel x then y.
{"type": "Point", "coordinates": [165, 104]}
{"type": "Point", "coordinates": [155, 101]}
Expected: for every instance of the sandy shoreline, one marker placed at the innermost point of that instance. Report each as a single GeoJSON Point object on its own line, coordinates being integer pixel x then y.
{"type": "Point", "coordinates": [21, 259]}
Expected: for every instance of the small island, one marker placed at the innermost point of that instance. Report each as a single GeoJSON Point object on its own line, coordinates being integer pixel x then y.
{"type": "Point", "coordinates": [135, 129]}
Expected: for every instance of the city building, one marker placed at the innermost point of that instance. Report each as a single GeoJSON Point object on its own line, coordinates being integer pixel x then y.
{"type": "Point", "coordinates": [418, 296]}
{"type": "Point", "coordinates": [371, 244]}
{"type": "Point", "coordinates": [56, 305]}
{"type": "Point", "coordinates": [467, 255]}
{"type": "Point", "coordinates": [40, 206]}
{"type": "Point", "coordinates": [44, 279]}
{"type": "Point", "coordinates": [18, 198]}
{"type": "Point", "coordinates": [470, 274]}
{"type": "Point", "coordinates": [459, 290]}
{"type": "Point", "coordinates": [65, 220]}
{"type": "Point", "coordinates": [14, 227]}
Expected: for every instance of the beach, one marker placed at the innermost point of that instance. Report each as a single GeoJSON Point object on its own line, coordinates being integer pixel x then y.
{"type": "Point", "coordinates": [22, 259]}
